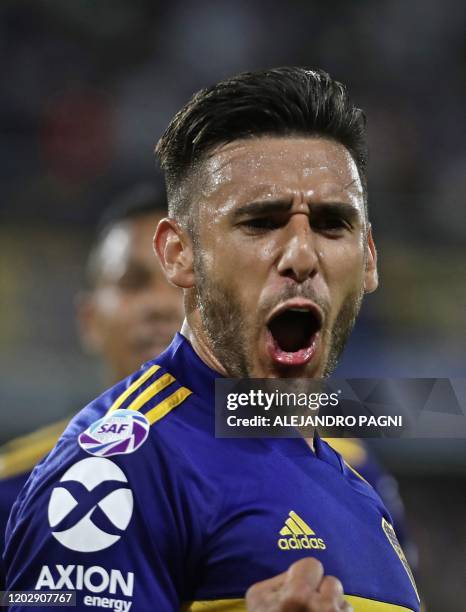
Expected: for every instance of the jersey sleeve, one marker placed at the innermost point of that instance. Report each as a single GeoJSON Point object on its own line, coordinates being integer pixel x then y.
{"type": "Point", "coordinates": [119, 530]}
{"type": "Point", "coordinates": [9, 490]}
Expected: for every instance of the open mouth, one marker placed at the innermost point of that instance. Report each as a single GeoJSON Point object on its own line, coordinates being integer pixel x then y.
{"type": "Point", "coordinates": [292, 334]}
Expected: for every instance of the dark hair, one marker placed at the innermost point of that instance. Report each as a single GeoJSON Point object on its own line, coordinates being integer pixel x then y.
{"type": "Point", "coordinates": [281, 101]}
{"type": "Point", "coordinates": [139, 200]}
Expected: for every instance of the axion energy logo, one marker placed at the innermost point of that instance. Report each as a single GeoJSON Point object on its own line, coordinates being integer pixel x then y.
{"type": "Point", "coordinates": [91, 506]}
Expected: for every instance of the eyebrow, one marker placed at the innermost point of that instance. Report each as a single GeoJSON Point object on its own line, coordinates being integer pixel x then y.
{"type": "Point", "coordinates": [277, 206]}
{"type": "Point", "coordinates": [349, 211]}
{"type": "Point", "coordinates": [262, 207]}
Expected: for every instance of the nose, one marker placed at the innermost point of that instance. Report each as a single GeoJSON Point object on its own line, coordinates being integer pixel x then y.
{"type": "Point", "coordinates": [298, 258]}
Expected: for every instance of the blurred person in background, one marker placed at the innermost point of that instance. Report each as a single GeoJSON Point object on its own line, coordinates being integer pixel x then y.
{"type": "Point", "coordinates": [127, 313]}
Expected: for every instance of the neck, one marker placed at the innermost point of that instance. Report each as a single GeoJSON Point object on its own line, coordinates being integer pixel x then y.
{"type": "Point", "coordinates": [192, 331]}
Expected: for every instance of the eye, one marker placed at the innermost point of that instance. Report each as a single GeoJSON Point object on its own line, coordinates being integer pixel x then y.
{"type": "Point", "coordinates": [331, 224]}
{"type": "Point", "coordinates": [262, 224]}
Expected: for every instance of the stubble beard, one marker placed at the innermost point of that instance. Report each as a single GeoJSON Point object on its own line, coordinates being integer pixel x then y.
{"type": "Point", "coordinates": [223, 322]}
{"type": "Point", "coordinates": [223, 319]}
{"type": "Point", "coordinates": [341, 330]}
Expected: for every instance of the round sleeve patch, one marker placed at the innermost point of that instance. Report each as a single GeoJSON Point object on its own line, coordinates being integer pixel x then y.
{"type": "Point", "coordinates": [118, 433]}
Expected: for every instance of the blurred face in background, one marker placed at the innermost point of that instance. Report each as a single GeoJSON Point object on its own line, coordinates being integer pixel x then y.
{"type": "Point", "coordinates": [132, 313]}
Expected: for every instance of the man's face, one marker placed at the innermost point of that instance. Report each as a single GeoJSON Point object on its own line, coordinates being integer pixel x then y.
{"type": "Point", "coordinates": [280, 256]}
{"type": "Point", "coordinates": [133, 312]}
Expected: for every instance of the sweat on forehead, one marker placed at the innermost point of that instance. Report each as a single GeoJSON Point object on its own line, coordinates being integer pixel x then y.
{"type": "Point", "coordinates": [267, 168]}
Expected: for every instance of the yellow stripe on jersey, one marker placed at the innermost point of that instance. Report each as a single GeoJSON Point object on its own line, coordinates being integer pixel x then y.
{"type": "Point", "coordinates": [21, 454]}
{"type": "Point", "coordinates": [162, 408]}
{"type": "Point", "coordinates": [355, 472]}
{"type": "Point", "coordinates": [166, 405]}
{"type": "Point", "coordinates": [133, 387]}
{"type": "Point", "coordinates": [360, 604]}
{"type": "Point", "coordinates": [218, 605]}
{"type": "Point", "coordinates": [350, 449]}
{"type": "Point", "coordinates": [159, 385]}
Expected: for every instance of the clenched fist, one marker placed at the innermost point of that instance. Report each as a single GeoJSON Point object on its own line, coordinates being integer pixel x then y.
{"type": "Point", "coordinates": [302, 588]}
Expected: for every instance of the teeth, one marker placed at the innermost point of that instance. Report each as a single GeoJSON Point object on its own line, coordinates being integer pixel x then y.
{"type": "Point", "coordinates": [298, 309]}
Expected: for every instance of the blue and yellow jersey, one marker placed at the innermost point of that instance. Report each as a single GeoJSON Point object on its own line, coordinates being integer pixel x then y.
{"type": "Point", "coordinates": [360, 457]}
{"type": "Point", "coordinates": [17, 459]}
{"type": "Point", "coordinates": [140, 507]}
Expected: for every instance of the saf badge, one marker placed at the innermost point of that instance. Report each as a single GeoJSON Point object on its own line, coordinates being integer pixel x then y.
{"type": "Point", "coordinates": [119, 433]}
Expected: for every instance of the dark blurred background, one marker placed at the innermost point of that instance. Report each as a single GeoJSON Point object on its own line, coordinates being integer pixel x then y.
{"type": "Point", "coordinates": [87, 89]}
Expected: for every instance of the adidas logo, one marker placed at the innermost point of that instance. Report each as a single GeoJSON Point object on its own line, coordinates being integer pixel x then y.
{"type": "Point", "coordinates": [296, 534]}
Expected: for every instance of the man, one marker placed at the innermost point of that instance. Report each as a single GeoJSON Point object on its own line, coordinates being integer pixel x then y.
{"type": "Point", "coordinates": [139, 505]}
{"type": "Point", "coordinates": [127, 314]}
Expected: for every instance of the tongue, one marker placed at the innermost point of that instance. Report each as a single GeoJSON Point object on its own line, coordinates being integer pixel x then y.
{"type": "Point", "coordinates": [290, 331]}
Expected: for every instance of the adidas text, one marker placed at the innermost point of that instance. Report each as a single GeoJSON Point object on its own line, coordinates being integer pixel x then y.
{"type": "Point", "coordinates": [294, 542]}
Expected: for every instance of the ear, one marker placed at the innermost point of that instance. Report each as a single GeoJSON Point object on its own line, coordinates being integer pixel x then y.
{"type": "Point", "coordinates": [371, 277]}
{"type": "Point", "coordinates": [174, 249]}
{"type": "Point", "coordinates": [88, 325]}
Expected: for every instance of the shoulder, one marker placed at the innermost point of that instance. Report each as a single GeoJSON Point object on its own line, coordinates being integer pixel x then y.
{"type": "Point", "coordinates": [107, 456]}
{"type": "Point", "coordinates": [351, 449]}
{"type": "Point", "coordinates": [130, 424]}
{"type": "Point", "coordinates": [340, 452]}
{"type": "Point", "coordinates": [115, 477]}
{"type": "Point", "coordinates": [137, 409]}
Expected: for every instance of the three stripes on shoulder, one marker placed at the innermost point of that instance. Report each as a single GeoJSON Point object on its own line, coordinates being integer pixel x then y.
{"type": "Point", "coordinates": [144, 399]}
{"type": "Point", "coordinates": [20, 455]}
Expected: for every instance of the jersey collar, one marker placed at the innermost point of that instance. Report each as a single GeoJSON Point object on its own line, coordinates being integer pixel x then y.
{"type": "Point", "coordinates": [182, 361]}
